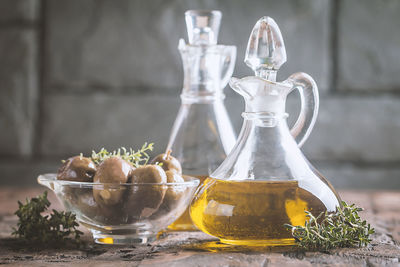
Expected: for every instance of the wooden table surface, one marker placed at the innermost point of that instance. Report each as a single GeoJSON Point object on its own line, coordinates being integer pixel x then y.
{"type": "Point", "coordinates": [382, 210]}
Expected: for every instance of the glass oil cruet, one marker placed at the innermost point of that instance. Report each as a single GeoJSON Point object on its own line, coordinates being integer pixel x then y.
{"type": "Point", "coordinates": [202, 134]}
{"type": "Point", "coordinates": [265, 181]}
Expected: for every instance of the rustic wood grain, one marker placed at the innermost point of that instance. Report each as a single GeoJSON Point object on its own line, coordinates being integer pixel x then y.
{"type": "Point", "coordinates": [382, 210]}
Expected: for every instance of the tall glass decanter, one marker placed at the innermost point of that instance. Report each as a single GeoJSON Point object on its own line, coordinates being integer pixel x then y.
{"type": "Point", "coordinates": [202, 134]}
{"type": "Point", "coordinates": [265, 182]}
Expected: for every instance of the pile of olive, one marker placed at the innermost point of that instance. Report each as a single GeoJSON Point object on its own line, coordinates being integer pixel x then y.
{"type": "Point", "coordinates": [108, 200]}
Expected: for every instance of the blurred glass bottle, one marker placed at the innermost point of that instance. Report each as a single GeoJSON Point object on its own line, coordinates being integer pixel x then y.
{"type": "Point", "coordinates": [202, 134]}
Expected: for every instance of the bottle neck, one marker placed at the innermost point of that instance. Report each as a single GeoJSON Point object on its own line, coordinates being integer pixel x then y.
{"type": "Point", "coordinates": [263, 150]}
{"type": "Point", "coordinates": [202, 73]}
{"type": "Point", "coordinates": [266, 120]}
{"type": "Point", "coordinates": [267, 106]}
{"type": "Point", "coordinates": [267, 135]}
{"type": "Point", "coordinates": [201, 96]}
{"type": "Point", "coordinates": [266, 74]}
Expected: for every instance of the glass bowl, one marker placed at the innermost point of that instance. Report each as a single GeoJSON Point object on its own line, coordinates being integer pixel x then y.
{"type": "Point", "coordinates": [136, 213]}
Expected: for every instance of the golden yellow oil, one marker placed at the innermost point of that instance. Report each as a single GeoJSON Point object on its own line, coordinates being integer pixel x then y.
{"type": "Point", "coordinates": [184, 222]}
{"type": "Point", "coordinates": [252, 212]}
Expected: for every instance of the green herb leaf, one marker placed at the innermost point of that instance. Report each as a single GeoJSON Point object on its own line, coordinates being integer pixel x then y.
{"type": "Point", "coordinates": [52, 230]}
{"type": "Point", "coordinates": [136, 158]}
{"type": "Point", "coordinates": [343, 228]}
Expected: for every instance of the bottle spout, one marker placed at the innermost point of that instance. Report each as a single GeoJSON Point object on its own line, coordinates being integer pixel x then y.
{"type": "Point", "coordinates": [261, 95]}
{"type": "Point", "coordinates": [240, 87]}
{"type": "Point", "coordinates": [203, 26]}
{"type": "Point", "coordinates": [266, 51]}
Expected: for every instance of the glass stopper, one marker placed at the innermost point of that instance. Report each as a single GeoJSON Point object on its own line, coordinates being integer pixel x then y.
{"type": "Point", "coordinates": [203, 26]}
{"type": "Point", "coordinates": [265, 49]}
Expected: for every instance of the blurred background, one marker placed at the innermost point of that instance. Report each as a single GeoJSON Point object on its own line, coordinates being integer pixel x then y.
{"type": "Point", "coordinates": [78, 75]}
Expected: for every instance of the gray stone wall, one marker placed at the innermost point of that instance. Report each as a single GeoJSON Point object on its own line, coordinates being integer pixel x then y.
{"type": "Point", "coordinates": [78, 75]}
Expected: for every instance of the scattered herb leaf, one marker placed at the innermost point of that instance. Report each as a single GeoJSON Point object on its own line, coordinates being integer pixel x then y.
{"type": "Point", "coordinates": [52, 230]}
{"type": "Point", "coordinates": [343, 228]}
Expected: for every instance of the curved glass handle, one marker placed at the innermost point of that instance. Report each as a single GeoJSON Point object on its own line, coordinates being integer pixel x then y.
{"type": "Point", "coordinates": [309, 97]}
{"type": "Point", "coordinates": [228, 60]}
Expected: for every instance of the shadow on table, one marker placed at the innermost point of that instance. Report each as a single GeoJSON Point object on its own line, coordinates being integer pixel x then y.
{"type": "Point", "coordinates": [216, 246]}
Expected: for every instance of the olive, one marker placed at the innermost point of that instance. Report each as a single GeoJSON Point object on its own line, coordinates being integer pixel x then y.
{"type": "Point", "coordinates": [172, 195]}
{"type": "Point", "coordinates": [174, 177]}
{"type": "Point", "coordinates": [83, 200]}
{"type": "Point", "coordinates": [112, 171]}
{"type": "Point", "coordinates": [77, 169]}
{"type": "Point", "coordinates": [149, 174]}
{"type": "Point", "coordinates": [145, 199]}
{"type": "Point", "coordinates": [174, 192]}
{"type": "Point", "coordinates": [168, 162]}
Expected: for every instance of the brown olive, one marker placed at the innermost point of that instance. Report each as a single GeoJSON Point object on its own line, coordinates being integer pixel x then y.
{"type": "Point", "coordinates": [149, 174]}
{"type": "Point", "coordinates": [174, 177]}
{"type": "Point", "coordinates": [112, 171]}
{"type": "Point", "coordinates": [168, 162]}
{"type": "Point", "coordinates": [82, 198]}
{"type": "Point", "coordinates": [144, 199]}
{"type": "Point", "coordinates": [77, 169]}
{"type": "Point", "coordinates": [174, 192]}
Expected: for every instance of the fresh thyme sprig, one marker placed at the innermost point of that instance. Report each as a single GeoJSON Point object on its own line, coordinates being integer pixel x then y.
{"type": "Point", "coordinates": [52, 230]}
{"type": "Point", "coordinates": [343, 228]}
{"type": "Point", "coordinates": [137, 158]}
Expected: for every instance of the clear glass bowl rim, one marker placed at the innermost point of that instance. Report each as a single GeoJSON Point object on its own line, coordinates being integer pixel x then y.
{"type": "Point", "coordinates": [45, 179]}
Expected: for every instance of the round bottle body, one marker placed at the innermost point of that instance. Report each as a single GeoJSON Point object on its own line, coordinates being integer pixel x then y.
{"type": "Point", "coordinates": [253, 212]}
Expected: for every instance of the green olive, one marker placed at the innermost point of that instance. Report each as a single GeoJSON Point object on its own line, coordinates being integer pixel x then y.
{"type": "Point", "coordinates": [168, 162]}
{"type": "Point", "coordinates": [77, 169]}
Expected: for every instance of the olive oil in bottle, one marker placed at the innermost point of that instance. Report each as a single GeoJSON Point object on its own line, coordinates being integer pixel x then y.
{"type": "Point", "coordinates": [252, 212]}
